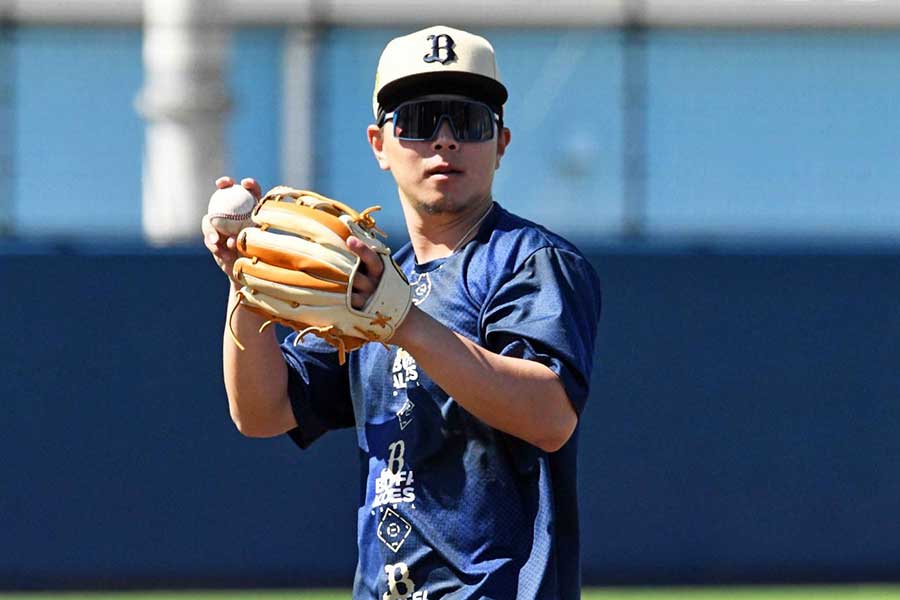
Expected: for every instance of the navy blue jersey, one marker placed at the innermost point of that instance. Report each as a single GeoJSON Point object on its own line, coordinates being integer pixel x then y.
{"type": "Point", "coordinates": [452, 508]}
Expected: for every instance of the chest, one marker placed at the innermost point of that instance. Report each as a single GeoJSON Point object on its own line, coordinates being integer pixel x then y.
{"type": "Point", "coordinates": [391, 393]}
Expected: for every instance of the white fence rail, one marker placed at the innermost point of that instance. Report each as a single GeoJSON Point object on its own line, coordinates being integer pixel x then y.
{"type": "Point", "coordinates": [519, 13]}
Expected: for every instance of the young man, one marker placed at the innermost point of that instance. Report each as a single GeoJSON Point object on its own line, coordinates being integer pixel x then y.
{"type": "Point", "coordinates": [467, 422]}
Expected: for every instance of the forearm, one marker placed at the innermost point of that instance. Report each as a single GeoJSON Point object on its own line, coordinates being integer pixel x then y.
{"type": "Point", "coordinates": [520, 397]}
{"type": "Point", "coordinates": [256, 377]}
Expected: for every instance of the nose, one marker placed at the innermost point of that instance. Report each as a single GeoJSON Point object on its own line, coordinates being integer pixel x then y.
{"type": "Point", "coordinates": [444, 137]}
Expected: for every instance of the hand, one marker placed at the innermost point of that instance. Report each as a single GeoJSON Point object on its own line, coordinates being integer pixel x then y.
{"type": "Point", "coordinates": [368, 276]}
{"type": "Point", "coordinates": [224, 247]}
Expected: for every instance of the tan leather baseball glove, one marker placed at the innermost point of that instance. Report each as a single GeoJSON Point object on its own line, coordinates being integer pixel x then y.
{"type": "Point", "coordinates": [297, 270]}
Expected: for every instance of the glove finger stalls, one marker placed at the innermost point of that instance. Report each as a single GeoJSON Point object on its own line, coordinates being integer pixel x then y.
{"type": "Point", "coordinates": [290, 294]}
{"type": "Point", "coordinates": [312, 224]}
{"type": "Point", "coordinates": [291, 252]}
{"type": "Point", "coordinates": [286, 276]}
{"type": "Point", "coordinates": [314, 200]}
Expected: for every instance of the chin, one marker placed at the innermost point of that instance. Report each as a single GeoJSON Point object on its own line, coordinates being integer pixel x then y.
{"type": "Point", "coordinates": [441, 205]}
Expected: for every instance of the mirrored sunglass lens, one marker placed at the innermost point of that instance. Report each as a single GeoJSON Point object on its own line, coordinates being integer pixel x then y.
{"type": "Point", "coordinates": [416, 121]}
{"type": "Point", "coordinates": [473, 122]}
{"type": "Point", "coordinates": [420, 120]}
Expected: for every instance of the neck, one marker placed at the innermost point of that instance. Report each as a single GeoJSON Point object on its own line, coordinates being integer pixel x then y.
{"type": "Point", "coordinates": [438, 235]}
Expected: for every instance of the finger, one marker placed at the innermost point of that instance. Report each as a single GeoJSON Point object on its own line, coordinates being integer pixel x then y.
{"type": "Point", "coordinates": [210, 235]}
{"type": "Point", "coordinates": [224, 182]}
{"type": "Point", "coordinates": [211, 244]}
{"type": "Point", "coordinates": [369, 257]}
{"type": "Point", "coordinates": [363, 283]}
{"type": "Point", "coordinates": [358, 301]}
{"type": "Point", "coordinates": [253, 186]}
{"type": "Point", "coordinates": [231, 242]}
{"type": "Point", "coordinates": [226, 256]}
{"type": "Point", "coordinates": [205, 226]}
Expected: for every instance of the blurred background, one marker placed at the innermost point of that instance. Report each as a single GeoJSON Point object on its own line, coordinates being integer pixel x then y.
{"type": "Point", "coordinates": [729, 166]}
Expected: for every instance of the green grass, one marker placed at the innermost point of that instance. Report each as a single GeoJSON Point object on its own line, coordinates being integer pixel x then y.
{"type": "Point", "coordinates": [836, 592]}
{"type": "Point", "coordinates": [749, 593]}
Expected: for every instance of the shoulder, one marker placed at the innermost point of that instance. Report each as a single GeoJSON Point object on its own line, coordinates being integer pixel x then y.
{"type": "Point", "coordinates": [513, 243]}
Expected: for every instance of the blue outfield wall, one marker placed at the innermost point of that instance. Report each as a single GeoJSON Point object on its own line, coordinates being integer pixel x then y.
{"type": "Point", "coordinates": [744, 425]}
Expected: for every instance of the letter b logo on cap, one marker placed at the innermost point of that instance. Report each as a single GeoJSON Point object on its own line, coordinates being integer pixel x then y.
{"type": "Point", "coordinates": [436, 48]}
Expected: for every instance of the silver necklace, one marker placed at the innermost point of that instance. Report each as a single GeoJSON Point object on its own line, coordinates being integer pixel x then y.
{"type": "Point", "coordinates": [471, 229]}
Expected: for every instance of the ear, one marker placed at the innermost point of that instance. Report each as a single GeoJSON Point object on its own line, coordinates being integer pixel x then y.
{"type": "Point", "coordinates": [502, 142]}
{"type": "Point", "coordinates": [376, 141]}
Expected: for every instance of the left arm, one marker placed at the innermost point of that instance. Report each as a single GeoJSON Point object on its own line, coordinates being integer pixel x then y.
{"type": "Point", "coordinates": [517, 396]}
{"type": "Point", "coordinates": [520, 397]}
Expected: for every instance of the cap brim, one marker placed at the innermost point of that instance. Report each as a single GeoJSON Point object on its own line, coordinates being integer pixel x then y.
{"type": "Point", "coordinates": [477, 87]}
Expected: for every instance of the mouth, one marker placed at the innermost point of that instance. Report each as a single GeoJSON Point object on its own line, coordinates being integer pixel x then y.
{"type": "Point", "coordinates": [443, 170]}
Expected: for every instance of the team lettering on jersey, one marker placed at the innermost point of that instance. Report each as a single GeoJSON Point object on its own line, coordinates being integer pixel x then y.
{"type": "Point", "coordinates": [395, 484]}
{"type": "Point", "coordinates": [404, 370]}
{"type": "Point", "coordinates": [400, 586]}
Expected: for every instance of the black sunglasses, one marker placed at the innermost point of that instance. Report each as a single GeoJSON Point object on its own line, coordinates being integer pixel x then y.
{"type": "Point", "coordinates": [420, 120]}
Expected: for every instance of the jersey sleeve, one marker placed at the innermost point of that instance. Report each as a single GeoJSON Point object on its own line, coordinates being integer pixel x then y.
{"type": "Point", "coordinates": [318, 388]}
{"type": "Point", "coordinates": [548, 312]}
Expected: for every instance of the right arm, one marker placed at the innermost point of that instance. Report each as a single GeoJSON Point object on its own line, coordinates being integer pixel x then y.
{"type": "Point", "coordinates": [255, 378]}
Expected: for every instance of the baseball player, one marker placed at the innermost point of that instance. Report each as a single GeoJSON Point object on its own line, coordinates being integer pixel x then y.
{"type": "Point", "coordinates": [467, 419]}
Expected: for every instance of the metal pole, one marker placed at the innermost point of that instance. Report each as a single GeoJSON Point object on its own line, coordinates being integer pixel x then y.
{"type": "Point", "coordinates": [298, 107]}
{"type": "Point", "coordinates": [184, 102]}
{"type": "Point", "coordinates": [7, 121]}
{"type": "Point", "coordinates": [634, 121]}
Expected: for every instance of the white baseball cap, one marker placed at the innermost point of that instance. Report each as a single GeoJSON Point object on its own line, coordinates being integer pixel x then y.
{"type": "Point", "coordinates": [437, 60]}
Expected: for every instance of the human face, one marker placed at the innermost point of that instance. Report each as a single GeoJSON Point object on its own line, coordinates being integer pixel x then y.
{"type": "Point", "coordinates": [441, 175]}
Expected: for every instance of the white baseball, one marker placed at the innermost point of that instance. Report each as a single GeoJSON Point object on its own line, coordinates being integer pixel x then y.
{"type": "Point", "coordinates": [230, 209]}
